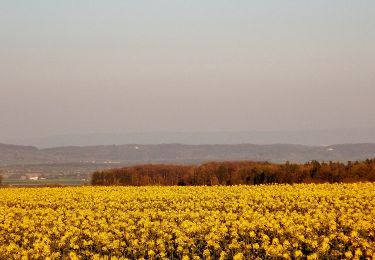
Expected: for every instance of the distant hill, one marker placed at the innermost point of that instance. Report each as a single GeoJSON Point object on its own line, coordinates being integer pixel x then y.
{"type": "Point", "coordinates": [180, 153]}
{"type": "Point", "coordinates": [303, 137]}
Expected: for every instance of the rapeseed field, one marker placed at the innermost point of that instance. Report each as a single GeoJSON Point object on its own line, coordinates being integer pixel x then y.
{"type": "Point", "coordinates": [301, 221]}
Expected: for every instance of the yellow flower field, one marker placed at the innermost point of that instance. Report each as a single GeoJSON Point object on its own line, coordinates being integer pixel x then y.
{"type": "Point", "coordinates": [240, 222]}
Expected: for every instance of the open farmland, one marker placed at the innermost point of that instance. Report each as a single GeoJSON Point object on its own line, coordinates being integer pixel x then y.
{"type": "Point", "coordinates": [241, 222]}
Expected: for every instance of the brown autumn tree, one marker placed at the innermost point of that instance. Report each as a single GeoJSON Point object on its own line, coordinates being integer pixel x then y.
{"type": "Point", "coordinates": [235, 173]}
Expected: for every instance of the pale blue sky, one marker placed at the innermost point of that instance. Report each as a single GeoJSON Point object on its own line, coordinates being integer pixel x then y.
{"type": "Point", "coordinates": [119, 66]}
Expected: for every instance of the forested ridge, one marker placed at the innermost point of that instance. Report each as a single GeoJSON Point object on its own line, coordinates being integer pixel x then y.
{"type": "Point", "coordinates": [237, 172]}
{"type": "Point", "coordinates": [132, 154]}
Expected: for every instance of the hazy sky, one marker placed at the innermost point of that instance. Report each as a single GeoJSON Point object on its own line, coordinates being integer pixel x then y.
{"type": "Point", "coordinates": [212, 65]}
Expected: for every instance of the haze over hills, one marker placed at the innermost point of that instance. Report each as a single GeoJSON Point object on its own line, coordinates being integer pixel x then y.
{"type": "Point", "coordinates": [302, 137]}
{"type": "Point", "coordinates": [193, 147]}
{"type": "Point", "coordinates": [181, 153]}
{"type": "Point", "coordinates": [184, 82]}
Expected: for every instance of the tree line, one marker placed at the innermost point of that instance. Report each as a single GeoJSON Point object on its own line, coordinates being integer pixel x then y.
{"type": "Point", "coordinates": [237, 172]}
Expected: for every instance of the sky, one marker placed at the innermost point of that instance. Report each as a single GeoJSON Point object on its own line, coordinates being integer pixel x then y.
{"type": "Point", "coordinates": [141, 66]}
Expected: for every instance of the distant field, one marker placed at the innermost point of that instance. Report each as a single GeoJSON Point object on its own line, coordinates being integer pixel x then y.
{"type": "Point", "coordinates": [65, 182]}
{"type": "Point", "coordinates": [304, 221]}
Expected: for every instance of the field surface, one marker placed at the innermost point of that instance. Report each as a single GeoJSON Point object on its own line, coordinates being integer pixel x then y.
{"type": "Point", "coordinates": [67, 182]}
{"type": "Point", "coordinates": [241, 222]}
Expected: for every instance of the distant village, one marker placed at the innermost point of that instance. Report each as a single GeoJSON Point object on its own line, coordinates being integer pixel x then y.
{"type": "Point", "coordinates": [33, 177]}
{"type": "Point", "coordinates": [78, 171]}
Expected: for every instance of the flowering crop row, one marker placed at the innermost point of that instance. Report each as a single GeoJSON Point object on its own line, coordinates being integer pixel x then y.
{"type": "Point", "coordinates": [241, 222]}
